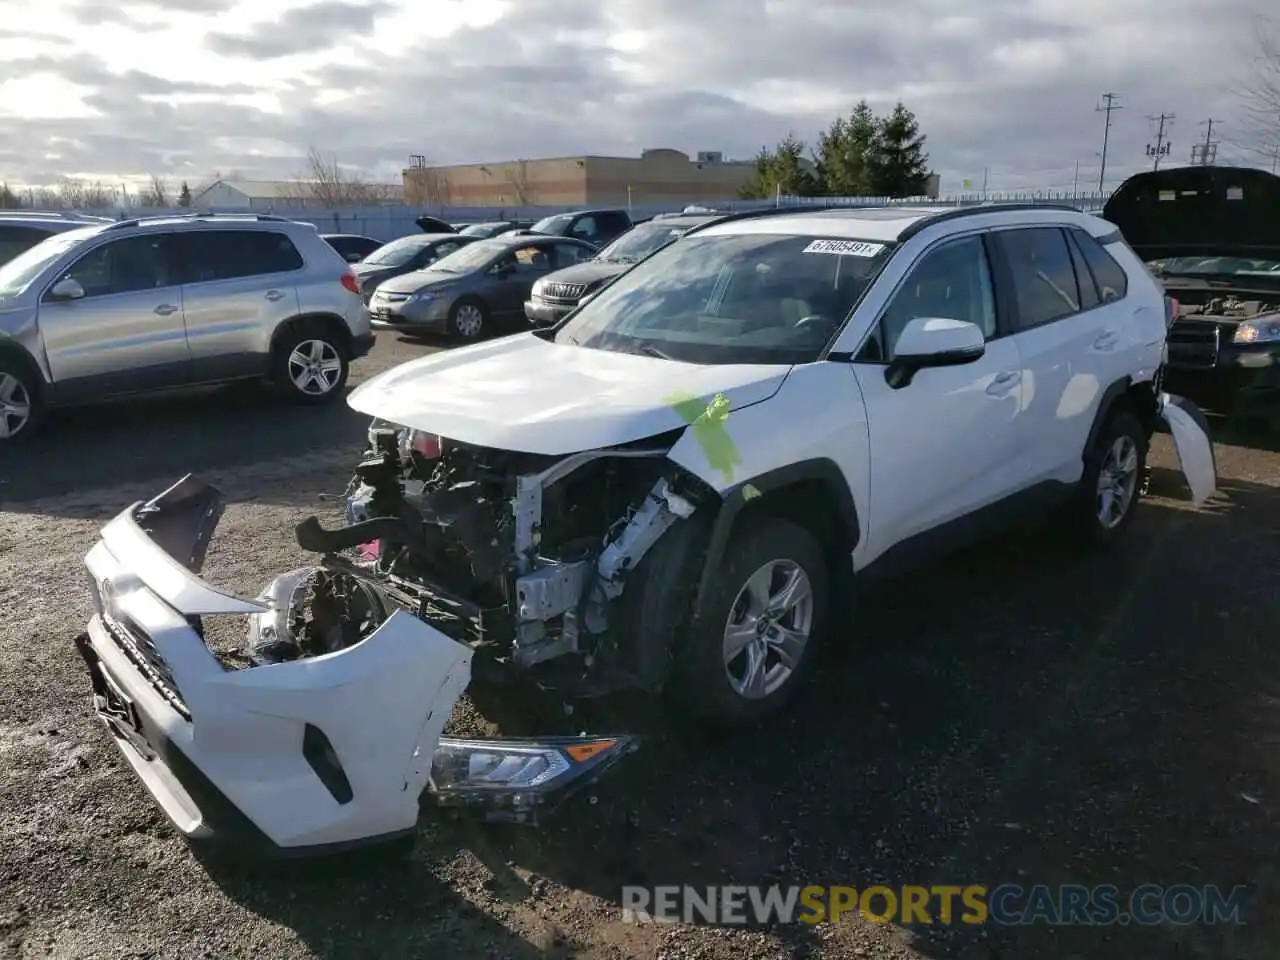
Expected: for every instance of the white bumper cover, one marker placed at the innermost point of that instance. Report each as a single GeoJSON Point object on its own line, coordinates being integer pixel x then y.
{"type": "Point", "coordinates": [303, 756]}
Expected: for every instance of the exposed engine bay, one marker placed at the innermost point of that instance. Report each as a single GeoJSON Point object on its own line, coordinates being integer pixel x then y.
{"type": "Point", "coordinates": [519, 556]}
{"type": "Point", "coordinates": [1212, 305]}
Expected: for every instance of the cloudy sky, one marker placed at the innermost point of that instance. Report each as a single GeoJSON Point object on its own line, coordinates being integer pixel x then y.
{"type": "Point", "coordinates": [186, 88]}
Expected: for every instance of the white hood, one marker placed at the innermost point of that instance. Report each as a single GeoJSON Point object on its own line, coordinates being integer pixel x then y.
{"type": "Point", "coordinates": [526, 394]}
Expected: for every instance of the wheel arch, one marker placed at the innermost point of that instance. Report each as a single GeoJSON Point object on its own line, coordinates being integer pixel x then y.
{"type": "Point", "coordinates": [328, 321]}
{"type": "Point", "coordinates": [811, 493]}
{"type": "Point", "coordinates": [10, 349]}
{"type": "Point", "coordinates": [1139, 398]}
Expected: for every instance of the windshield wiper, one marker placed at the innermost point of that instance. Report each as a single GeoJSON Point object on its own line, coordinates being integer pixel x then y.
{"type": "Point", "coordinates": [648, 349]}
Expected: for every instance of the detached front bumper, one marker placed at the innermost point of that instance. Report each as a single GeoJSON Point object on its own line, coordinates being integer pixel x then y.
{"type": "Point", "coordinates": [297, 758]}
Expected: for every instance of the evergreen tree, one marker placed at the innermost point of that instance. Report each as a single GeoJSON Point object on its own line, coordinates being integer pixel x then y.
{"type": "Point", "coordinates": [184, 195]}
{"type": "Point", "coordinates": [900, 167]}
{"type": "Point", "coordinates": [783, 170]}
{"type": "Point", "coordinates": [847, 151]}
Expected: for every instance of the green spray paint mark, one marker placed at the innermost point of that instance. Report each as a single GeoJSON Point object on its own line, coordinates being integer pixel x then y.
{"type": "Point", "coordinates": [707, 423]}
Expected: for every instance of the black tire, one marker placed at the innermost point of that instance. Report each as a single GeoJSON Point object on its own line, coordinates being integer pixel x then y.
{"type": "Point", "coordinates": [1084, 516]}
{"type": "Point", "coordinates": [22, 384]}
{"type": "Point", "coordinates": [285, 365]}
{"type": "Point", "coordinates": [701, 677]}
{"type": "Point", "coordinates": [464, 329]}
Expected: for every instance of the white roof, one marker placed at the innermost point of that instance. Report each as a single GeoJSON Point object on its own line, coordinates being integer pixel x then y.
{"type": "Point", "coordinates": [886, 224]}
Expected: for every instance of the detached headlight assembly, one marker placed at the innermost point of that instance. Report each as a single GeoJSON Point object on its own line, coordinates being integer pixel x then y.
{"type": "Point", "coordinates": [515, 780]}
{"type": "Point", "coordinates": [1258, 330]}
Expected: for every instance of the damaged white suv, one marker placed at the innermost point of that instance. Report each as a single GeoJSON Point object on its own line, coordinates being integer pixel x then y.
{"type": "Point", "coordinates": [677, 486]}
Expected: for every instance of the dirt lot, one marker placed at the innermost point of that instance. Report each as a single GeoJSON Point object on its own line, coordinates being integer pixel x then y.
{"type": "Point", "coordinates": [1016, 714]}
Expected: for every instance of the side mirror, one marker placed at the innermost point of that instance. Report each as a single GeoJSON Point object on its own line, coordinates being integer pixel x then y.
{"type": "Point", "coordinates": [933, 342]}
{"type": "Point", "coordinates": [68, 288]}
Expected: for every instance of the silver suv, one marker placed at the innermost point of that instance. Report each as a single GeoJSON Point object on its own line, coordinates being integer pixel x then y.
{"type": "Point", "coordinates": [164, 302]}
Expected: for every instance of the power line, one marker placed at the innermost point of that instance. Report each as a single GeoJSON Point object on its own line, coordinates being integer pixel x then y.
{"type": "Point", "coordinates": [1162, 146]}
{"type": "Point", "coordinates": [1107, 106]}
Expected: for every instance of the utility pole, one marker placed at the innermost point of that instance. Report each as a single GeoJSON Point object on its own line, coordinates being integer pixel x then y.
{"type": "Point", "coordinates": [1162, 147]}
{"type": "Point", "coordinates": [1206, 153]}
{"type": "Point", "coordinates": [1075, 182]}
{"type": "Point", "coordinates": [1107, 106]}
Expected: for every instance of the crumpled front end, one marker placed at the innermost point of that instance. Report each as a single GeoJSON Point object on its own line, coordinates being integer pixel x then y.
{"type": "Point", "coordinates": [521, 557]}
{"type": "Point", "coordinates": [293, 757]}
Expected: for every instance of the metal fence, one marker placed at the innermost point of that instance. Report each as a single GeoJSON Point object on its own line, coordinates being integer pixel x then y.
{"type": "Point", "coordinates": [390, 221]}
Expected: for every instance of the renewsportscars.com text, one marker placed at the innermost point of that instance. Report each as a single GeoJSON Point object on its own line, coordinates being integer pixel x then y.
{"type": "Point", "coordinates": [972, 904]}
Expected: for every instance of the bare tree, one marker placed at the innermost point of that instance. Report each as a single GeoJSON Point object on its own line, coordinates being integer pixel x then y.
{"type": "Point", "coordinates": [8, 199]}
{"type": "Point", "coordinates": [155, 194]}
{"type": "Point", "coordinates": [327, 183]}
{"type": "Point", "coordinates": [518, 181]}
{"type": "Point", "coordinates": [1259, 92]}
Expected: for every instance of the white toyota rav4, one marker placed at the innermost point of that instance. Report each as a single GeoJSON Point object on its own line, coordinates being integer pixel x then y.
{"type": "Point", "coordinates": [679, 486]}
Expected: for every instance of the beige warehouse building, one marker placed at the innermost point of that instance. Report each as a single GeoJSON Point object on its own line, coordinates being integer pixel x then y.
{"type": "Point", "coordinates": [656, 176]}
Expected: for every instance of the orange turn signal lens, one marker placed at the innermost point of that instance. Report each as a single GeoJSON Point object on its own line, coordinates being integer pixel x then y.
{"type": "Point", "coordinates": [581, 752]}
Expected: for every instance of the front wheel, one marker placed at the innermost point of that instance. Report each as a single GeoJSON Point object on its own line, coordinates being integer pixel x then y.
{"type": "Point", "coordinates": [311, 365]}
{"type": "Point", "coordinates": [468, 319]}
{"type": "Point", "coordinates": [20, 401]}
{"type": "Point", "coordinates": [1111, 486]}
{"type": "Point", "coordinates": [751, 642]}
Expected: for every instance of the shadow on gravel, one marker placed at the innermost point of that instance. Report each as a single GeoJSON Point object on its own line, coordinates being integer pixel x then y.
{"type": "Point", "coordinates": [379, 907]}
{"type": "Point", "coordinates": [1018, 714]}
{"type": "Point", "coordinates": [165, 437]}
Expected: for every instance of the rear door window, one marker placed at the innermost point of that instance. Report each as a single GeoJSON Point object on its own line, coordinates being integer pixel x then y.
{"type": "Point", "coordinates": [212, 255]}
{"type": "Point", "coordinates": [1044, 280]}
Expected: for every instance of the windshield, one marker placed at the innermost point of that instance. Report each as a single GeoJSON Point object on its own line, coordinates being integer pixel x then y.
{"type": "Point", "coordinates": [1215, 266]}
{"type": "Point", "coordinates": [483, 229]}
{"type": "Point", "coordinates": [554, 224]}
{"type": "Point", "coordinates": [397, 253]}
{"type": "Point", "coordinates": [638, 242]}
{"type": "Point", "coordinates": [753, 298]}
{"type": "Point", "coordinates": [471, 257]}
{"type": "Point", "coordinates": [20, 272]}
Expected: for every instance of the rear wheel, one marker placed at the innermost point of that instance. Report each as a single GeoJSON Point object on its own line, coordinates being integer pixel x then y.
{"type": "Point", "coordinates": [311, 364]}
{"type": "Point", "coordinates": [1111, 486]}
{"type": "Point", "coordinates": [20, 401]}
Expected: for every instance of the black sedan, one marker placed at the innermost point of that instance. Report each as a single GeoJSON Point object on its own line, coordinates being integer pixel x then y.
{"type": "Point", "coordinates": [352, 246]}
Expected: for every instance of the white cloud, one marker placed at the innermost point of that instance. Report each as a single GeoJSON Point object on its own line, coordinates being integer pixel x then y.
{"type": "Point", "coordinates": [1006, 86]}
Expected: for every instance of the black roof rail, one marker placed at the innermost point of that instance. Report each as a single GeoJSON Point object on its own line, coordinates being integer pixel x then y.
{"type": "Point", "coordinates": [197, 215]}
{"type": "Point", "coordinates": [955, 213]}
{"type": "Point", "coordinates": [765, 212]}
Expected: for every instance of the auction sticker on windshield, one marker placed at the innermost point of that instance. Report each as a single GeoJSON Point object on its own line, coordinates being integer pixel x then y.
{"type": "Point", "coordinates": [851, 248]}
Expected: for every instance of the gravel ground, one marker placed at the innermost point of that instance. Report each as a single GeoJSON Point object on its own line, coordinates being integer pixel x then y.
{"type": "Point", "coordinates": [1015, 714]}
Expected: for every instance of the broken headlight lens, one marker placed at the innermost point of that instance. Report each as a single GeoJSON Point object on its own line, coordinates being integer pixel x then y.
{"type": "Point", "coordinates": [512, 779]}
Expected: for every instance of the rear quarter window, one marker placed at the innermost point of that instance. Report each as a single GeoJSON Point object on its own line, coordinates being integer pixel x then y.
{"type": "Point", "coordinates": [1112, 281]}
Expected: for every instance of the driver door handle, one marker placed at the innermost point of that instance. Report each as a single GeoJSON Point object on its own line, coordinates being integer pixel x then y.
{"type": "Point", "coordinates": [1004, 382]}
{"type": "Point", "coordinates": [1106, 341]}
{"type": "Point", "coordinates": [165, 309]}
{"type": "Point", "coordinates": [274, 295]}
